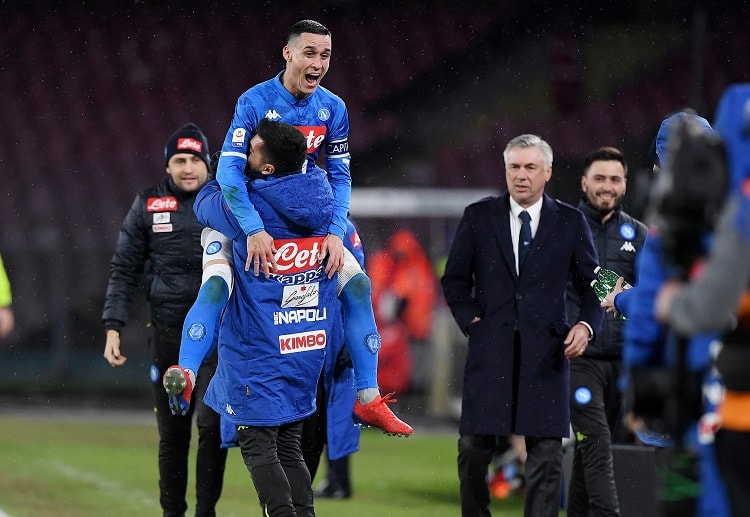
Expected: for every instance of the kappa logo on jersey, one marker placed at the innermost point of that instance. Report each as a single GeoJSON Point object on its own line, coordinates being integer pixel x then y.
{"type": "Point", "coordinates": [238, 137]}
{"type": "Point", "coordinates": [161, 228]}
{"type": "Point", "coordinates": [305, 295]}
{"type": "Point", "coordinates": [302, 342]}
{"type": "Point", "coordinates": [299, 278]}
{"type": "Point", "coordinates": [627, 246]}
{"type": "Point", "coordinates": [297, 255]}
{"type": "Point", "coordinates": [190, 144]}
{"type": "Point", "coordinates": [315, 135]}
{"type": "Point", "coordinates": [161, 204]}
{"type": "Point", "coordinates": [161, 217]}
{"type": "Point", "coordinates": [272, 115]}
{"type": "Point", "coordinates": [299, 316]}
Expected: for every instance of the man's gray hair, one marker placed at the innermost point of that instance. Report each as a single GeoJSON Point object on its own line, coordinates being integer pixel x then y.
{"type": "Point", "coordinates": [527, 140]}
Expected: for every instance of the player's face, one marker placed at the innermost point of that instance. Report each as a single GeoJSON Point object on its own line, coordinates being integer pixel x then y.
{"type": "Point", "coordinates": [188, 171]}
{"type": "Point", "coordinates": [526, 174]}
{"type": "Point", "coordinates": [307, 58]}
{"type": "Point", "coordinates": [255, 161]}
{"type": "Point", "coordinates": [604, 184]}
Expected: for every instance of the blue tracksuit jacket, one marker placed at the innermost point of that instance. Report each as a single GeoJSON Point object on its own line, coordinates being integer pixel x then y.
{"type": "Point", "coordinates": [275, 331]}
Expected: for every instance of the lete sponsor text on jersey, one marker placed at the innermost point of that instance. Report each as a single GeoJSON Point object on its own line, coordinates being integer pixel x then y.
{"type": "Point", "coordinates": [315, 135]}
{"type": "Point", "coordinates": [297, 255]}
{"type": "Point", "coordinates": [161, 204]}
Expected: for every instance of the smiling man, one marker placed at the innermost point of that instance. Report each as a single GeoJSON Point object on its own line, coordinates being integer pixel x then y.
{"type": "Point", "coordinates": [160, 240]}
{"type": "Point", "coordinates": [594, 396]}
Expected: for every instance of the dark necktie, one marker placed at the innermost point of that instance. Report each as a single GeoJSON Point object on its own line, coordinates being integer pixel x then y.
{"type": "Point", "coordinates": [524, 238]}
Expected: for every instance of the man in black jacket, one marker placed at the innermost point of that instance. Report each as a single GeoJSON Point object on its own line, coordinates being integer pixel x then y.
{"type": "Point", "coordinates": [161, 231]}
{"type": "Point", "coordinates": [594, 395]}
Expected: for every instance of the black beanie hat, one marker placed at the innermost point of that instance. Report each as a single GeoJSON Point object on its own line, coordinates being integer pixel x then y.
{"type": "Point", "coordinates": [188, 139]}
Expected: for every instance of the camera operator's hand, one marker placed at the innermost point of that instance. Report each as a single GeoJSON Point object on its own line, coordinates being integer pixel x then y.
{"type": "Point", "coordinates": [664, 297]}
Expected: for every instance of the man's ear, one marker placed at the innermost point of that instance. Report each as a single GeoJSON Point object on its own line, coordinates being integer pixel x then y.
{"type": "Point", "coordinates": [287, 53]}
{"type": "Point", "coordinates": [267, 169]}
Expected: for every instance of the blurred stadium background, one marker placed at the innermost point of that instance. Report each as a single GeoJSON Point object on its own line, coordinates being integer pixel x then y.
{"type": "Point", "coordinates": [91, 90]}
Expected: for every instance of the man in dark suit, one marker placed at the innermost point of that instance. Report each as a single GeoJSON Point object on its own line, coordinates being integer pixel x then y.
{"type": "Point", "coordinates": [505, 281]}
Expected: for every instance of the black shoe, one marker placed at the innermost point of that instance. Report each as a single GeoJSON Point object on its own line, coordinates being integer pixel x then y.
{"type": "Point", "coordinates": [329, 490]}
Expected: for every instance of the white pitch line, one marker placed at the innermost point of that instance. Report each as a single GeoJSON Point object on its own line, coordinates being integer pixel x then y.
{"type": "Point", "coordinates": [111, 487]}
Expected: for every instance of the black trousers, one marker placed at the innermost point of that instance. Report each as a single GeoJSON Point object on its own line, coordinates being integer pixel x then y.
{"type": "Point", "coordinates": [273, 457]}
{"type": "Point", "coordinates": [175, 432]}
{"type": "Point", "coordinates": [733, 457]}
{"type": "Point", "coordinates": [594, 406]}
{"type": "Point", "coordinates": [314, 432]}
{"type": "Point", "coordinates": [314, 440]}
{"type": "Point", "coordinates": [543, 474]}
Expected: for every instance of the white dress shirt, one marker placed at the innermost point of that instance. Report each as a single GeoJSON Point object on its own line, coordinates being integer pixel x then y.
{"type": "Point", "coordinates": [515, 222]}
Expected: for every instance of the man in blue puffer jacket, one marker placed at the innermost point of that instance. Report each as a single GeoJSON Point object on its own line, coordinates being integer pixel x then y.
{"type": "Point", "coordinates": [274, 332]}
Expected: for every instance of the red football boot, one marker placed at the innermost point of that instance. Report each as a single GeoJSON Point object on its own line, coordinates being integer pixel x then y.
{"type": "Point", "coordinates": [377, 414]}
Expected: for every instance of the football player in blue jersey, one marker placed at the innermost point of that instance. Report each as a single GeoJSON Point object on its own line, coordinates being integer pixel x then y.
{"type": "Point", "coordinates": [295, 96]}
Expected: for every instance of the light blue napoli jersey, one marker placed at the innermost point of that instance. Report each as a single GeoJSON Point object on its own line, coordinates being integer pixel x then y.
{"type": "Point", "coordinates": [321, 117]}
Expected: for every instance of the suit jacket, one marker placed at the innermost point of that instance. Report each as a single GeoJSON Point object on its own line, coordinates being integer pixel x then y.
{"type": "Point", "coordinates": [480, 280]}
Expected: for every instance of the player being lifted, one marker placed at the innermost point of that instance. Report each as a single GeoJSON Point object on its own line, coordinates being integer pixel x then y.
{"type": "Point", "coordinates": [295, 96]}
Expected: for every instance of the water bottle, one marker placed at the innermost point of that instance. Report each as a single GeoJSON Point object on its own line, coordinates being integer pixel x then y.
{"type": "Point", "coordinates": [604, 283]}
{"type": "Point", "coordinates": [608, 279]}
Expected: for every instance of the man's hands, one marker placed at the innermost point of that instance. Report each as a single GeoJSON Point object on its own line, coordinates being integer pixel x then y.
{"type": "Point", "coordinates": [112, 349]}
{"type": "Point", "coordinates": [577, 340]}
{"type": "Point", "coordinates": [261, 251]}
{"type": "Point", "coordinates": [333, 246]}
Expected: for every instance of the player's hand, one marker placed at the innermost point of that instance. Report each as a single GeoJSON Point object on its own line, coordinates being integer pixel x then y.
{"type": "Point", "coordinates": [576, 341]}
{"type": "Point", "coordinates": [261, 252]}
{"type": "Point", "coordinates": [112, 349]}
{"type": "Point", "coordinates": [333, 246]}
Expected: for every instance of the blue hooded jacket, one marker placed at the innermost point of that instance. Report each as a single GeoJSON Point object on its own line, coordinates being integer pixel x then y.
{"type": "Point", "coordinates": [275, 331]}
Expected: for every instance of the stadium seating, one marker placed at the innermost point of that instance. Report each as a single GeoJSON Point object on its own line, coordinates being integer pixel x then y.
{"type": "Point", "coordinates": [90, 95]}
